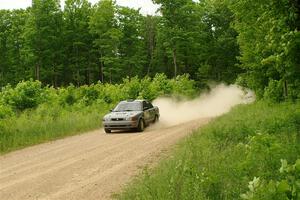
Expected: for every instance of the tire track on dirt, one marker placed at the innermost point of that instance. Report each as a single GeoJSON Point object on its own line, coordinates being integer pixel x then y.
{"type": "Point", "coordinates": [89, 166]}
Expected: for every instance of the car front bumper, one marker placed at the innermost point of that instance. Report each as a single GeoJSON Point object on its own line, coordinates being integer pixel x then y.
{"type": "Point", "coordinates": [119, 125]}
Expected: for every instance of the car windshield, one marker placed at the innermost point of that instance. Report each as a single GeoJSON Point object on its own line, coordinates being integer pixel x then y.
{"type": "Point", "coordinates": [128, 106]}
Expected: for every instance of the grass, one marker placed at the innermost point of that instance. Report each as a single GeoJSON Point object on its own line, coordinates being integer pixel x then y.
{"type": "Point", "coordinates": [219, 160]}
{"type": "Point", "coordinates": [48, 123]}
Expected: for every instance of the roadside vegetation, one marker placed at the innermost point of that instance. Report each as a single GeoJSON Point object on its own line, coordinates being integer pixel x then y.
{"type": "Point", "coordinates": [249, 153]}
{"type": "Point", "coordinates": [31, 114]}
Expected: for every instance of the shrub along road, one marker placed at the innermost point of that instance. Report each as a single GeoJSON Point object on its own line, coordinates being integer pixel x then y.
{"type": "Point", "coordinates": [89, 166]}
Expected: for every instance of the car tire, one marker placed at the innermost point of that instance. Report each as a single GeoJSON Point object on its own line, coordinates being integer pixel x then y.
{"type": "Point", "coordinates": [156, 119]}
{"type": "Point", "coordinates": [107, 130]}
{"type": "Point", "coordinates": [141, 126]}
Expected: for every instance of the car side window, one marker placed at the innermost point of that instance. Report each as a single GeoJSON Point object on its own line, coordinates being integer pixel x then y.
{"type": "Point", "coordinates": [149, 105]}
{"type": "Point", "coordinates": [145, 105]}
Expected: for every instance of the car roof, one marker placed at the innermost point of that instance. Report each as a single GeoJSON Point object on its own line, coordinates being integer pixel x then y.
{"type": "Point", "coordinates": [131, 100]}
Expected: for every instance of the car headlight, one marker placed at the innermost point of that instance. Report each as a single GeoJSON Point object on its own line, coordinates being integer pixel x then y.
{"type": "Point", "coordinates": [105, 119]}
{"type": "Point", "coordinates": [134, 118]}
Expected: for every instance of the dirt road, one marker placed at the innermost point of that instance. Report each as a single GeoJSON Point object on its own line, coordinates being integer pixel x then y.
{"type": "Point", "coordinates": [89, 166]}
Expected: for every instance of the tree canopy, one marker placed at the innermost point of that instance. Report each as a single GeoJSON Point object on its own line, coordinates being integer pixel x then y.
{"type": "Point", "coordinates": [253, 42]}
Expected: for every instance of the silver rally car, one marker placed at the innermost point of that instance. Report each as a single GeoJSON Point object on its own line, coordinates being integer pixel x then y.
{"type": "Point", "coordinates": [131, 114]}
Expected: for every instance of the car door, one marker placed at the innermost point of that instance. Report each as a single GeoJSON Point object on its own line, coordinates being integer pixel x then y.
{"type": "Point", "coordinates": [147, 116]}
{"type": "Point", "coordinates": [151, 111]}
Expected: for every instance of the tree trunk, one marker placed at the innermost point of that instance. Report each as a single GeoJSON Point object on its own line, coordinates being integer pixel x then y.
{"type": "Point", "coordinates": [110, 76]}
{"type": "Point", "coordinates": [87, 76]}
{"type": "Point", "coordinates": [151, 39]}
{"type": "Point", "coordinates": [87, 72]}
{"type": "Point", "coordinates": [53, 76]}
{"type": "Point", "coordinates": [130, 72]}
{"type": "Point", "coordinates": [148, 70]}
{"type": "Point", "coordinates": [285, 89]}
{"type": "Point", "coordinates": [55, 80]}
{"type": "Point", "coordinates": [101, 69]}
{"type": "Point", "coordinates": [78, 78]}
{"type": "Point", "coordinates": [175, 63]}
{"type": "Point", "coordinates": [37, 71]}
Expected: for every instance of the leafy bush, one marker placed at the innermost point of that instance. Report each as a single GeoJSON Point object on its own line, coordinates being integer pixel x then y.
{"type": "Point", "coordinates": [5, 112]}
{"type": "Point", "coordinates": [183, 86]}
{"type": "Point", "coordinates": [89, 94]}
{"type": "Point", "coordinates": [67, 96]}
{"type": "Point", "coordinates": [148, 89]}
{"type": "Point", "coordinates": [25, 95]}
{"type": "Point", "coordinates": [162, 85]}
{"type": "Point", "coordinates": [274, 91]}
{"type": "Point", "coordinates": [286, 187]}
{"type": "Point", "coordinates": [131, 87]}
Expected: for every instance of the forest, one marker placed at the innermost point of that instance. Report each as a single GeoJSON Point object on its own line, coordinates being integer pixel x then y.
{"type": "Point", "coordinates": [253, 43]}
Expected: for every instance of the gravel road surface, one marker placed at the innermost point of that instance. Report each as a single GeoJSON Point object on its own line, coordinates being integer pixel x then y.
{"type": "Point", "coordinates": [91, 166]}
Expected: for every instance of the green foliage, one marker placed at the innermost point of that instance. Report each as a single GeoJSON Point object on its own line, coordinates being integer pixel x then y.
{"type": "Point", "coordinates": [42, 36]}
{"type": "Point", "coordinates": [131, 49]}
{"type": "Point", "coordinates": [83, 44]}
{"type": "Point", "coordinates": [47, 123]}
{"type": "Point", "coordinates": [25, 95]}
{"type": "Point", "coordinates": [274, 91]}
{"type": "Point", "coordinates": [286, 187]}
{"type": "Point", "coordinates": [67, 95]}
{"type": "Point", "coordinates": [31, 114]}
{"type": "Point", "coordinates": [131, 87]}
{"type": "Point", "coordinates": [212, 41]}
{"type": "Point", "coordinates": [269, 42]}
{"type": "Point", "coordinates": [5, 112]}
{"type": "Point", "coordinates": [148, 92]}
{"type": "Point", "coordinates": [219, 160]}
{"type": "Point", "coordinates": [103, 26]}
{"type": "Point", "coordinates": [184, 86]}
{"type": "Point", "coordinates": [195, 37]}
{"type": "Point", "coordinates": [78, 54]}
{"type": "Point", "coordinates": [161, 84]}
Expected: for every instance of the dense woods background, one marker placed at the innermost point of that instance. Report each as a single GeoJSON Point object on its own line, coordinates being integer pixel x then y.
{"type": "Point", "coordinates": [254, 41]}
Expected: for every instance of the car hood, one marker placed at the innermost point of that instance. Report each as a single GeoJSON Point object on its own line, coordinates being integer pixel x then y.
{"type": "Point", "coordinates": [122, 114]}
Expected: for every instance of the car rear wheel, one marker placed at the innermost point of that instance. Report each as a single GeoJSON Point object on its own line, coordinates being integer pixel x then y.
{"type": "Point", "coordinates": [141, 126]}
{"type": "Point", "coordinates": [107, 130]}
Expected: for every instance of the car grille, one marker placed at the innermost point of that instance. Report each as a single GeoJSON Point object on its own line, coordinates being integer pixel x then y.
{"type": "Point", "coordinates": [118, 126]}
{"type": "Point", "coordinates": [117, 119]}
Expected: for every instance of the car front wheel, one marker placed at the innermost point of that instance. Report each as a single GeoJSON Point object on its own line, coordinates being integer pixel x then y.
{"type": "Point", "coordinates": [156, 119]}
{"type": "Point", "coordinates": [107, 130]}
{"type": "Point", "coordinates": [141, 126]}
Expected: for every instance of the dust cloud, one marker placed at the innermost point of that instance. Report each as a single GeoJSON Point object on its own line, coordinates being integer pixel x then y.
{"type": "Point", "coordinates": [212, 104]}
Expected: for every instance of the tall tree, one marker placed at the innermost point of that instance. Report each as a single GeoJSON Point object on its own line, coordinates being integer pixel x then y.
{"type": "Point", "coordinates": [4, 27]}
{"type": "Point", "coordinates": [104, 27]}
{"type": "Point", "coordinates": [173, 20]}
{"type": "Point", "coordinates": [269, 39]}
{"type": "Point", "coordinates": [43, 34]}
{"type": "Point", "coordinates": [182, 35]}
{"type": "Point", "coordinates": [12, 67]}
{"type": "Point", "coordinates": [150, 25]}
{"type": "Point", "coordinates": [131, 49]}
{"type": "Point", "coordinates": [219, 61]}
{"type": "Point", "coordinates": [78, 42]}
